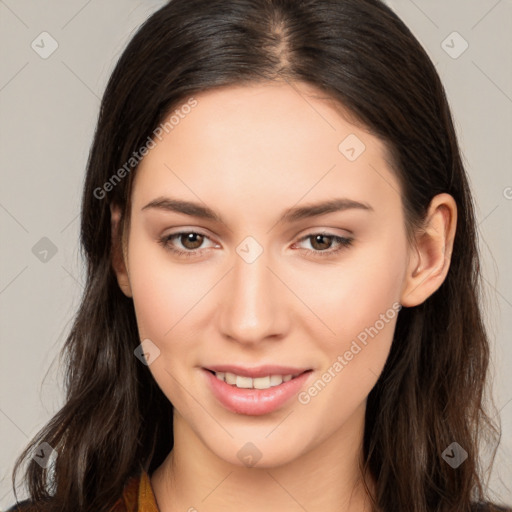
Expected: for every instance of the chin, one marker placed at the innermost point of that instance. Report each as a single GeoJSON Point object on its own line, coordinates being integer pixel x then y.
{"type": "Point", "coordinates": [261, 454]}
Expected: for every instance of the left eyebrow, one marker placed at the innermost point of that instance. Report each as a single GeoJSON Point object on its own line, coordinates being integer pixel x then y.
{"type": "Point", "coordinates": [290, 215]}
{"type": "Point", "coordinates": [316, 209]}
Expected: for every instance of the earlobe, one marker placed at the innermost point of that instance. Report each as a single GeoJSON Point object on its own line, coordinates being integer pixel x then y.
{"type": "Point", "coordinates": [428, 267]}
{"type": "Point", "coordinates": [118, 256]}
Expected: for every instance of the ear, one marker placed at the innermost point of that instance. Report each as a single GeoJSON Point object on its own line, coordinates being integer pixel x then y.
{"type": "Point", "coordinates": [430, 258]}
{"type": "Point", "coordinates": [119, 258]}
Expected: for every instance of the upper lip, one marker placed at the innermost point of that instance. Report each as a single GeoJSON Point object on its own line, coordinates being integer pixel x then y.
{"type": "Point", "coordinates": [257, 371]}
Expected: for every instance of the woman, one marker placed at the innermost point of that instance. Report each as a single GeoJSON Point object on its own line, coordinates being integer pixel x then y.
{"type": "Point", "coordinates": [281, 309]}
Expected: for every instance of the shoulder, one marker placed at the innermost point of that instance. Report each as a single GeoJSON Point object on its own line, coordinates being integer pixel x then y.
{"type": "Point", "coordinates": [137, 495]}
{"type": "Point", "coordinates": [490, 507]}
{"type": "Point", "coordinates": [22, 506]}
{"type": "Point", "coordinates": [127, 502]}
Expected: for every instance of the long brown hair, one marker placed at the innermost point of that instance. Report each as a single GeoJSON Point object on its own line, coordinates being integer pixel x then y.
{"type": "Point", "coordinates": [115, 420]}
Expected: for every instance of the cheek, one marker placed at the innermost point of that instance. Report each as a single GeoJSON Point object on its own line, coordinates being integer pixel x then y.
{"type": "Point", "coordinates": [350, 295]}
{"type": "Point", "coordinates": [354, 357]}
{"type": "Point", "coordinates": [164, 293]}
{"type": "Point", "coordinates": [360, 304]}
{"type": "Point", "coordinates": [164, 296]}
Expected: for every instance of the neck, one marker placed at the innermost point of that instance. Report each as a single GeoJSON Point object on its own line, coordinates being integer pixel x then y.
{"type": "Point", "coordinates": [193, 478]}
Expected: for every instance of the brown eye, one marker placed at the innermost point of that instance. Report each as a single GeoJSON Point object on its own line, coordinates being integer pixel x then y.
{"type": "Point", "coordinates": [191, 240]}
{"type": "Point", "coordinates": [184, 243]}
{"type": "Point", "coordinates": [322, 244]}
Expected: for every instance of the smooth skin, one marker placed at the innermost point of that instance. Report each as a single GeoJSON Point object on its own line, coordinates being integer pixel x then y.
{"type": "Point", "coordinates": [249, 153]}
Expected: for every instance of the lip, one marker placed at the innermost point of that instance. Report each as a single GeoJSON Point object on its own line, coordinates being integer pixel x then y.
{"type": "Point", "coordinates": [255, 402]}
{"type": "Point", "coordinates": [257, 371]}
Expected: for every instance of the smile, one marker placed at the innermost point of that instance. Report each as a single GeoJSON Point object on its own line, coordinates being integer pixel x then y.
{"type": "Point", "coordinates": [253, 383]}
{"type": "Point", "coordinates": [254, 396]}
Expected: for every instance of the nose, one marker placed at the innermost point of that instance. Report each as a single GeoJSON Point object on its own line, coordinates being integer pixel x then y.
{"type": "Point", "coordinates": [253, 302]}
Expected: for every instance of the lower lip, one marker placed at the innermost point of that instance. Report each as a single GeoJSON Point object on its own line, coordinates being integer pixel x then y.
{"type": "Point", "coordinates": [255, 402]}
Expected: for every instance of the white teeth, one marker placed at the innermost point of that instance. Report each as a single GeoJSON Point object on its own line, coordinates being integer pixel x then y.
{"type": "Point", "coordinates": [230, 378]}
{"type": "Point", "coordinates": [243, 382]}
{"type": "Point", "coordinates": [275, 380]}
{"type": "Point", "coordinates": [257, 383]}
{"type": "Point", "coordinates": [261, 382]}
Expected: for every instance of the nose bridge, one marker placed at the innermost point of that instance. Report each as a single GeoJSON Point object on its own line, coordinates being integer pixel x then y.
{"type": "Point", "coordinates": [250, 307]}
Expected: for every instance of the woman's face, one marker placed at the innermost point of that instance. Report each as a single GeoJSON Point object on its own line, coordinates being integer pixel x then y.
{"type": "Point", "coordinates": [259, 284]}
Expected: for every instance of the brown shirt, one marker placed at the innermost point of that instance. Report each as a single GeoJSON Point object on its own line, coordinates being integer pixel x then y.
{"type": "Point", "coordinates": [137, 496]}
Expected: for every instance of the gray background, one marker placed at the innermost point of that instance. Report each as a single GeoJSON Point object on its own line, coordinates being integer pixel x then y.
{"type": "Point", "coordinates": [48, 112]}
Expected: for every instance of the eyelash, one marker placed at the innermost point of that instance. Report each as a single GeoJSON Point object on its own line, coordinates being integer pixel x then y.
{"type": "Point", "coordinates": [344, 244]}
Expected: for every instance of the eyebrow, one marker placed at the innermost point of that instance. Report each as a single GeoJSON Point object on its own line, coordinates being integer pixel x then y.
{"type": "Point", "coordinates": [293, 214]}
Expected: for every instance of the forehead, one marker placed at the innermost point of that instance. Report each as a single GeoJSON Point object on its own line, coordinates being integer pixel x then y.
{"type": "Point", "coordinates": [277, 141]}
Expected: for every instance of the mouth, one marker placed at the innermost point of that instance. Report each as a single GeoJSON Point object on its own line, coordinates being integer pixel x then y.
{"type": "Point", "coordinates": [263, 382]}
{"type": "Point", "coordinates": [262, 393]}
